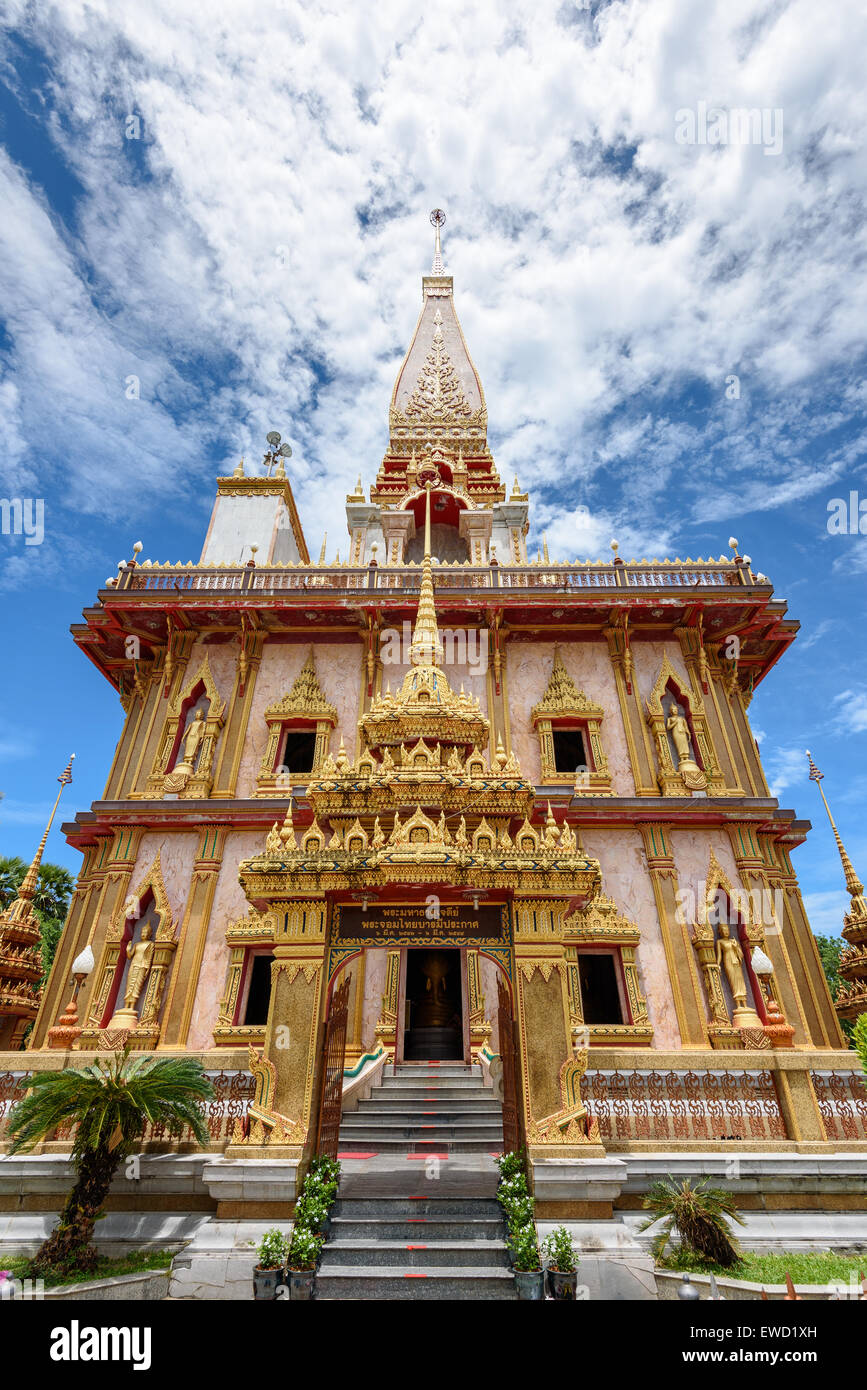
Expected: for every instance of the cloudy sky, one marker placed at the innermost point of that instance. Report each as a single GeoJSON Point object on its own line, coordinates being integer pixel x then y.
{"type": "Point", "coordinates": [215, 220]}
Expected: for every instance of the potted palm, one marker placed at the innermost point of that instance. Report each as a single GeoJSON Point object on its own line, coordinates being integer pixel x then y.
{"type": "Point", "coordinates": [302, 1256]}
{"type": "Point", "coordinates": [108, 1106]}
{"type": "Point", "coordinates": [268, 1273]}
{"type": "Point", "coordinates": [562, 1264]}
{"type": "Point", "coordinates": [526, 1263]}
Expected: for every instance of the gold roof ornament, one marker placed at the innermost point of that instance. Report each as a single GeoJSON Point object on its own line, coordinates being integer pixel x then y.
{"type": "Point", "coordinates": [851, 997]}
{"type": "Point", "coordinates": [305, 699]}
{"type": "Point", "coordinates": [562, 698]}
{"type": "Point", "coordinates": [20, 933]}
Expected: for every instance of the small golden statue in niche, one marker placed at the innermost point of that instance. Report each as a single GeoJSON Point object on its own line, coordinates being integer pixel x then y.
{"type": "Point", "coordinates": [730, 958]}
{"type": "Point", "coordinates": [678, 727]}
{"type": "Point", "coordinates": [193, 735]}
{"type": "Point", "coordinates": [140, 956]}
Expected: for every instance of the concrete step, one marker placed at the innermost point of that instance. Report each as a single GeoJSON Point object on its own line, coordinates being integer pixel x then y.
{"type": "Point", "coordinates": [422, 1283]}
{"type": "Point", "coordinates": [386, 1103]}
{"type": "Point", "coordinates": [421, 1112]}
{"type": "Point", "coordinates": [417, 1229]}
{"type": "Point", "coordinates": [433, 1083]}
{"type": "Point", "coordinates": [409, 1207]}
{"type": "Point", "coordinates": [398, 1254]}
{"type": "Point", "coordinates": [377, 1144]}
{"type": "Point", "coordinates": [467, 1127]}
{"type": "Point", "coordinates": [442, 1068]}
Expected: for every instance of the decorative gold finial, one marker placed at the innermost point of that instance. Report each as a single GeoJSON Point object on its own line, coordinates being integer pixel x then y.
{"type": "Point", "coordinates": [322, 551]}
{"type": "Point", "coordinates": [437, 218]}
{"type": "Point", "coordinates": [854, 886]}
{"type": "Point", "coordinates": [426, 648]}
{"type": "Point", "coordinates": [28, 885]}
{"type": "Point", "coordinates": [20, 930]}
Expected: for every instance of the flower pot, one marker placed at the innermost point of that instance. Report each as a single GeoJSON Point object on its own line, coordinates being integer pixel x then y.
{"type": "Point", "coordinates": [563, 1285]}
{"type": "Point", "coordinates": [266, 1283]}
{"type": "Point", "coordinates": [530, 1284]}
{"type": "Point", "coordinates": [301, 1285]}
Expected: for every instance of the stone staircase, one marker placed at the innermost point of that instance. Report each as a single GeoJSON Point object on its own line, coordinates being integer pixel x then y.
{"type": "Point", "coordinates": [416, 1216]}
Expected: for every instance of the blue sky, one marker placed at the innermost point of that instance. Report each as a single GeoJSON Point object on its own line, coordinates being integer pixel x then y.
{"type": "Point", "coordinates": [229, 204]}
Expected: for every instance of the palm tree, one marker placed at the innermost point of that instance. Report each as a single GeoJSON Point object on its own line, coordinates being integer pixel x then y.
{"type": "Point", "coordinates": [109, 1103]}
{"type": "Point", "coordinates": [699, 1214]}
{"type": "Point", "coordinates": [54, 887]}
{"type": "Point", "coordinates": [12, 871]}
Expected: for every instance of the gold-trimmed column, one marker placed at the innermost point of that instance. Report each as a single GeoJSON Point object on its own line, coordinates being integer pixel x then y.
{"type": "Point", "coordinates": [634, 725]}
{"type": "Point", "coordinates": [385, 1031]}
{"type": "Point", "coordinates": [769, 933]}
{"type": "Point", "coordinates": [685, 986]}
{"type": "Point", "coordinates": [192, 936]}
{"type": "Point", "coordinates": [234, 734]}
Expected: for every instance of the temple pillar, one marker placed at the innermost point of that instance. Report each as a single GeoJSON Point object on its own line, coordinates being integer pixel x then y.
{"type": "Point", "coordinates": [235, 732]}
{"type": "Point", "coordinates": [284, 1114]}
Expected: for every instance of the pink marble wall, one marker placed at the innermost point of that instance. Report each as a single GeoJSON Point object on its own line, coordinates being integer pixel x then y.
{"type": "Point", "coordinates": [489, 973]}
{"type": "Point", "coordinates": [648, 658]}
{"type": "Point", "coordinates": [338, 668]}
{"type": "Point", "coordinates": [229, 903]}
{"type": "Point", "coordinates": [177, 853]}
{"type": "Point", "coordinates": [223, 661]}
{"type": "Point", "coordinates": [691, 849]}
{"type": "Point", "coordinates": [376, 959]}
{"type": "Point", "coordinates": [625, 879]}
{"type": "Point", "coordinates": [528, 666]}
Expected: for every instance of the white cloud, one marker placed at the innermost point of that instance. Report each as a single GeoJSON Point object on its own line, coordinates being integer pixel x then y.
{"type": "Point", "coordinates": [851, 714]}
{"type": "Point", "coordinates": [785, 768]}
{"type": "Point", "coordinates": [295, 152]}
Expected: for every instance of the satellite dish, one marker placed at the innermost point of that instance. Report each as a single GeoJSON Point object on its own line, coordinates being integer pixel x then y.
{"type": "Point", "coordinates": [273, 439]}
{"type": "Point", "coordinates": [285, 450]}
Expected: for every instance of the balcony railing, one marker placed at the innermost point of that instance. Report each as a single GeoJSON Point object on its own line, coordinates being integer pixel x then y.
{"type": "Point", "coordinates": [540, 578]}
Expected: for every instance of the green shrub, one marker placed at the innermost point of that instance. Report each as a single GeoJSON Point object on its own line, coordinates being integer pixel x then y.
{"type": "Point", "coordinates": [512, 1164]}
{"type": "Point", "coordinates": [303, 1248]}
{"type": "Point", "coordinates": [272, 1250]}
{"type": "Point", "coordinates": [525, 1249]}
{"type": "Point", "coordinates": [560, 1251]}
{"type": "Point", "coordinates": [699, 1214]}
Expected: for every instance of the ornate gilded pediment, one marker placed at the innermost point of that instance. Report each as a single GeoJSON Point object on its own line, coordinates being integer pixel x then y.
{"type": "Point", "coordinates": [305, 700]}
{"type": "Point", "coordinates": [602, 921]}
{"type": "Point", "coordinates": [562, 698]}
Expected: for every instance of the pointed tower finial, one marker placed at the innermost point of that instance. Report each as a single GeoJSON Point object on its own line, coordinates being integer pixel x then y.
{"type": "Point", "coordinates": [28, 886]}
{"type": "Point", "coordinates": [437, 218]}
{"type": "Point", "coordinates": [322, 551]}
{"type": "Point", "coordinates": [854, 886]}
{"type": "Point", "coordinates": [426, 648]}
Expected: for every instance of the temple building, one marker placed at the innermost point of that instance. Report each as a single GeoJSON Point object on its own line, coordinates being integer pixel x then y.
{"type": "Point", "coordinates": [444, 801]}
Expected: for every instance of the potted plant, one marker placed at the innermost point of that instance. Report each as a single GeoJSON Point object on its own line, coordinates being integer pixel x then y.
{"type": "Point", "coordinates": [526, 1263]}
{"type": "Point", "coordinates": [268, 1273]}
{"type": "Point", "coordinates": [313, 1211]}
{"type": "Point", "coordinates": [562, 1264]}
{"type": "Point", "coordinates": [303, 1253]}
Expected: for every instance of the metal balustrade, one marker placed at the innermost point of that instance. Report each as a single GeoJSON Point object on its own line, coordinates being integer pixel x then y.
{"type": "Point", "coordinates": [548, 579]}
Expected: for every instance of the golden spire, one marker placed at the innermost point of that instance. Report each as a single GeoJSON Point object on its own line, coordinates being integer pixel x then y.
{"type": "Point", "coordinates": [27, 891]}
{"type": "Point", "coordinates": [854, 886]}
{"type": "Point", "coordinates": [322, 551]}
{"type": "Point", "coordinates": [426, 648]}
{"type": "Point", "coordinates": [851, 996]}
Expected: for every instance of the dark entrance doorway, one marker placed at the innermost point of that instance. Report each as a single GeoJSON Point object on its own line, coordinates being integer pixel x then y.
{"type": "Point", "coordinates": [434, 1019]}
